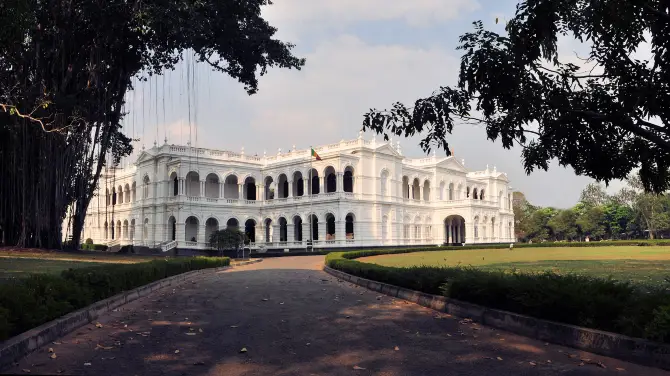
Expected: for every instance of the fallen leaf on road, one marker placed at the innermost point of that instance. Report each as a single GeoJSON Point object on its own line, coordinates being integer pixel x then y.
{"type": "Point", "coordinates": [581, 364]}
{"type": "Point", "coordinates": [265, 299]}
{"type": "Point", "coordinates": [601, 365]}
{"type": "Point", "coordinates": [26, 370]}
{"type": "Point", "coordinates": [358, 368]}
{"type": "Point", "coordinates": [56, 343]}
{"type": "Point", "coordinates": [548, 361]}
{"type": "Point", "coordinates": [51, 350]}
{"type": "Point", "coordinates": [499, 358]}
{"type": "Point", "coordinates": [98, 325]}
{"type": "Point", "coordinates": [532, 364]}
{"type": "Point", "coordinates": [99, 346]}
{"type": "Point", "coordinates": [200, 330]}
{"type": "Point", "coordinates": [620, 369]}
{"type": "Point", "coordinates": [233, 326]}
{"type": "Point", "coordinates": [53, 356]}
{"type": "Point", "coordinates": [87, 364]}
{"type": "Point", "coordinates": [200, 363]}
{"type": "Point", "coordinates": [281, 303]}
{"type": "Point", "coordinates": [397, 348]}
{"type": "Point", "coordinates": [190, 334]}
{"type": "Point", "coordinates": [176, 351]}
{"type": "Point", "coordinates": [348, 317]}
{"type": "Point", "coordinates": [243, 350]}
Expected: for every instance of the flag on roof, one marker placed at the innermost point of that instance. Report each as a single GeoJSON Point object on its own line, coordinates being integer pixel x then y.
{"type": "Point", "coordinates": [315, 155]}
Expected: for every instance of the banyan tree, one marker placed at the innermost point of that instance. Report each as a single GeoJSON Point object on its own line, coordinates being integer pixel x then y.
{"type": "Point", "coordinates": [65, 69]}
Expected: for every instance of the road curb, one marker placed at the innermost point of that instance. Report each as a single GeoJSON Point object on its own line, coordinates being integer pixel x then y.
{"type": "Point", "coordinates": [17, 347]}
{"type": "Point", "coordinates": [635, 350]}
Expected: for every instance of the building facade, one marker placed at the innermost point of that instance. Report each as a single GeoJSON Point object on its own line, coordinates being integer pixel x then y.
{"type": "Point", "coordinates": [361, 193]}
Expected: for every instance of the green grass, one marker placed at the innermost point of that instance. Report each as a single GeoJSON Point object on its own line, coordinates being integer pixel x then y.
{"type": "Point", "coordinates": [11, 268]}
{"type": "Point", "coordinates": [627, 263]}
{"type": "Point", "coordinates": [20, 263]}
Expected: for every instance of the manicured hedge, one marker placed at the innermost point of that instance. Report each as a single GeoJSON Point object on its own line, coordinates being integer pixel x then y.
{"type": "Point", "coordinates": [622, 307]}
{"type": "Point", "coordinates": [30, 302]}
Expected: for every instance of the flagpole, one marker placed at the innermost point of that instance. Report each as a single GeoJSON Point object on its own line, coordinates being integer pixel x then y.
{"type": "Point", "coordinates": [310, 185]}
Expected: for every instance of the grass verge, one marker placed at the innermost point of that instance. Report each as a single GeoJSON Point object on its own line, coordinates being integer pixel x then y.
{"type": "Point", "coordinates": [39, 298]}
{"type": "Point", "coordinates": [637, 310]}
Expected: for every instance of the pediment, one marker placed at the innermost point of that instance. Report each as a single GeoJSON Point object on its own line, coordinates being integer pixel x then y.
{"type": "Point", "coordinates": [388, 150]}
{"type": "Point", "coordinates": [144, 156]}
{"type": "Point", "coordinates": [451, 163]}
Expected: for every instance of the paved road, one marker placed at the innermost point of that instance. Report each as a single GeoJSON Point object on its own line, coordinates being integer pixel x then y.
{"type": "Point", "coordinates": [293, 319]}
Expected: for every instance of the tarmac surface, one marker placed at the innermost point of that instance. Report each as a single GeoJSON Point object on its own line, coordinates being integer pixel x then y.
{"type": "Point", "coordinates": [285, 316]}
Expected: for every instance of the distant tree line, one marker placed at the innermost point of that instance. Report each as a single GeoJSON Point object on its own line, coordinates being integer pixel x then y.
{"type": "Point", "coordinates": [631, 213]}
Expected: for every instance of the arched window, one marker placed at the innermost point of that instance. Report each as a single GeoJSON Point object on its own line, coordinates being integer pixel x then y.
{"type": "Point", "coordinates": [405, 187]}
{"type": "Point", "coordinates": [250, 230]}
{"type": "Point", "coordinates": [483, 233]}
{"type": "Point", "coordinates": [268, 230]}
{"type": "Point", "coordinates": [113, 196]}
{"type": "Point", "coordinates": [106, 231]}
{"type": "Point", "coordinates": [191, 229]}
{"type": "Point", "coordinates": [119, 196]}
{"type": "Point", "coordinates": [298, 185]}
{"type": "Point", "coordinates": [474, 193]}
{"type": "Point", "coordinates": [297, 228]}
{"type": "Point", "coordinates": [232, 224]}
{"type": "Point", "coordinates": [132, 229]}
{"type": "Point", "coordinates": [314, 221]}
{"type": "Point", "coordinates": [145, 187]}
{"type": "Point", "coordinates": [175, 184]}
{"type": "Point", "coordinates": [426, 190]}
{"type": "Point", "coordinates": [509, 231]}
{"type": "Point", "coordinates": [283, 229]}
{"type": "Point", "coordinates": [172, 228]}
{"type": "Point", "coordinates": [476, 229]}
{"type": "Point", "coordinates": [145, 229]}
{"type": "Point", "coordinates": [230, 187]}
{"type": "Point", "coordinates": [467, 192]}
{"type": "Point", "coordinates": [349, 226]}
{"type": "Point", "coordinates": [330, 227]}
{"type": "Point", "coordinates": [211, 226]}
{"type": "Point", "coordinates": [416, 190]}
{"type": "Point", "coordinates": [331, 179]}
{"type": "Point", "coordinates": [269, 188]}
{"type": "Point", "coordinates": [451, 191]}
{"type": "Point", "coordinates": [314, 185]}
{"type": "Point", "coordinates": [250, 189]}
{"type": "Point", "coordinates": [384, 182]}
{"type": "Point", "coordinates": [282, 186]}
{"type": "Point", "coordinates": [481, 195]}
{"type": "Point", "coordinates": [107, 197]}
{"type": "Point", "coordinates": [126, 192]}
{"type": "Point", "coordinates": [348, 179]}
{"type": "Point", "coordinates": [212, 186]}
{"type": "Point", "coordinates": [118, 229]}
{"type": "Point", "coordinates": [125, 229]}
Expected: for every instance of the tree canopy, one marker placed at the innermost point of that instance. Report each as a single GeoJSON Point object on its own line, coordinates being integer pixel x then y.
{"type": "Point", "coordinates": [630, 213]}
{"type": "Point", "coordinates": [65, 69]}
{"type": "Point", "coordinates": [605, 119]}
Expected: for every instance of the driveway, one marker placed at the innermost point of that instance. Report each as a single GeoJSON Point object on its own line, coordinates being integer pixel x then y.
{"type": "Point", "coordinates": [284, 316]}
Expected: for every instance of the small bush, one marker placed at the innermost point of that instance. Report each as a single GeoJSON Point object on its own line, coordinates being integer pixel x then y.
{"type": "Point", "coordinates": [30, 302]}
{"type": "Point", "coordinates": [622, 307]}
{"type": "Point", "coordinates": [88, 241]}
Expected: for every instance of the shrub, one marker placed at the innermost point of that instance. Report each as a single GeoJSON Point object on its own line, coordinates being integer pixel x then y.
{"type": "Point", "coordinates": [30, 302]}
{"type": "Point", "coordinates": [634, 310]}
{"type": "Point", "coordinates": [88, 241]}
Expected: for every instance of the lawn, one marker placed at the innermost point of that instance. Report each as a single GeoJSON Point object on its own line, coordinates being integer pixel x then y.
{"type": "Point", "coordinates": [638, 264]}
{"type": "Point", "coordinates": [19, 263]}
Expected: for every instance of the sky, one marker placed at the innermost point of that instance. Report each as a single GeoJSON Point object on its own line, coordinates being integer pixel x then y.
{"type": "Point", "coordinates": [361, 54]}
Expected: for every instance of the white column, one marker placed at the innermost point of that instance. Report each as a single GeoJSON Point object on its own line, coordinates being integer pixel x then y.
{"type": "Point", "coordinates": [260, 233]}
{"type": "Point", "coordinates": [340, 182]}
{"type": "Point", "coordinates": [240, 189]}
{"type": "Point", "coordinates": [290, 188]}
{"type": "Point", "coordinates": [321, 183]}
{"type": "Point", "coordinates": [202, 188]}
{"type": "Point", "coordinates": [305, 190]}
{"type": "Point", "coordinates": [340, 230]}
{"type": "Point", "coordinates": [275, 233]}
{"type": "Point", "coordinates": [260, 193]}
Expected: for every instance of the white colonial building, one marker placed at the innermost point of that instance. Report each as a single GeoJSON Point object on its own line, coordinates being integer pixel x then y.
{"type": "Point", "coordinates": [362, 193]}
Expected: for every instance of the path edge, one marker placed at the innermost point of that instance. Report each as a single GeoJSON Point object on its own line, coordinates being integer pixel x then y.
{"type": "Point", "coordinates": [634, 350]}
{"type": "Point", "coordinates": [16, 348]}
